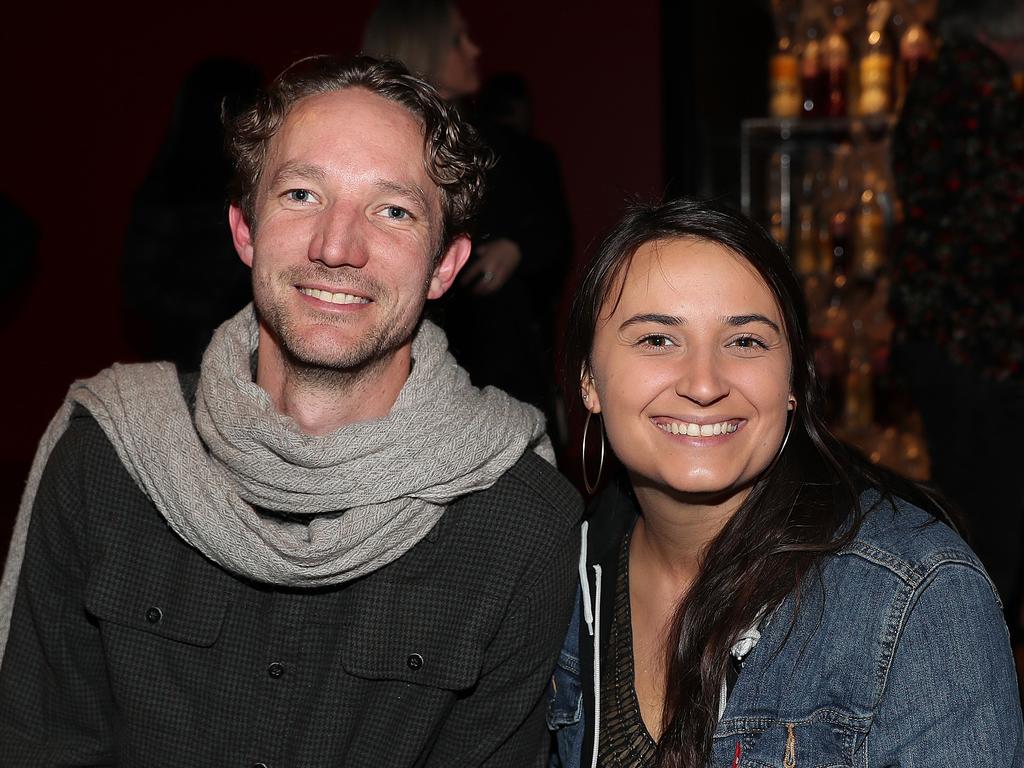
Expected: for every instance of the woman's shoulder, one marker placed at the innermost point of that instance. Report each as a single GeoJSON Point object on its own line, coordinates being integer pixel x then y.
{"type": "Point", "coordinates": [906, 540]}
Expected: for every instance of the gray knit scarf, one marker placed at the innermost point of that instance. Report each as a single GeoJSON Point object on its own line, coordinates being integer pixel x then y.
{"type": "Point", "coordinates": [370, 490]}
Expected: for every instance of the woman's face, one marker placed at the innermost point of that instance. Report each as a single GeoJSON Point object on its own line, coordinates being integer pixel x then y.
{"type": "Point", "coordinates": [691, 370]}
{"type": "Point", "coordinates": [458, 75]}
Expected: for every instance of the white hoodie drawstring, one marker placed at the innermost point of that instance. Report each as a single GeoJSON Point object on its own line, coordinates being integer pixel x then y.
{"type": "Point", "coordinates": [588, 609]}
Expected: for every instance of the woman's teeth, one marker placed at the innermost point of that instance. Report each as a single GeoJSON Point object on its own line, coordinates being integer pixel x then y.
{"type": "Point", "coordinates": [698, 430]}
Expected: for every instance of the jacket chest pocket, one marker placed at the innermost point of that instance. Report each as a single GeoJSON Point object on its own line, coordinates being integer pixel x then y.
{"type": "Point", "coordinates": [168, 593]}
{"type": "Point", "coordinates": [418, 635]}
{"type": "Point", "coordinates": [161, 613]}
{"type": "Point", "coordinates": [773, 744]}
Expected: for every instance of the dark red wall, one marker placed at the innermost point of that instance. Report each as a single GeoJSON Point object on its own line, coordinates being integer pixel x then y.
{"type": "Point", "coordinates": [87, 94]}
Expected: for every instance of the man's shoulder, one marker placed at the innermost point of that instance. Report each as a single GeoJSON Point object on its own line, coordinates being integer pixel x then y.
{"type": "Point", "coordinates": [494, 535]}
{"type": "Point", "coordinates": [83, 445]}
{"type": "Point", "coordinates": [532, 497]}
{"type": "Point", "coordinates": [534, 481]}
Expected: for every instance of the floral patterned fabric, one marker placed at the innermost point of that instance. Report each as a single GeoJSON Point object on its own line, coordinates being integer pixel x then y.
{"type": "Point", "coordinates": [958, 159]}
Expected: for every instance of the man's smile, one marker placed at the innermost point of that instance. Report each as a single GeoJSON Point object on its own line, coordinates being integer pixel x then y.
{"type": "Point", "coordinates": [333, 298]}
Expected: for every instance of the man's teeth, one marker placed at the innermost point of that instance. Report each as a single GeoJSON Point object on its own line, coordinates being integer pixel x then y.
{"type": "Point", "coordinates": [698, 430]}
{"type": "Point", "coordinates": [334, 298]}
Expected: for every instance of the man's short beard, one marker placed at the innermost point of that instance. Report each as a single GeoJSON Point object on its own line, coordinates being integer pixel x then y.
{"type": "Point", "coordinates": [310, 364]}
{"type": "Point", "coordinates": [315, 367]}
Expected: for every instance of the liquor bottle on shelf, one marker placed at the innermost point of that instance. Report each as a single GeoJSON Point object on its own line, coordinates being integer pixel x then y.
{"type": "Point", "coordinates": [858, 397]}
{"type": "Point", "coordinates": [836, 55]}
{"type": "Point", "coordinates": [831, 352]}
{"type": "Point", "coordinates": [777, 199]}
{"type": "Point", "coordinates": [840, 226]}
{"type": "Point", "coordinates": [805, 247]}
{"type": "Point", "coordinates": [813, 78]}
{"type": "Point", "coordinates": [805, 240]}
{"type": "Point", "coordinates": [869, 231]}
{"type": "Point", "coordinates": [784, 67]}
{"type": "Point", "coordinates": [916, 45]}
{"type": "Point", "coordinates": [823, 207]}
{"type": "Point", "coordinates": [876, 63]}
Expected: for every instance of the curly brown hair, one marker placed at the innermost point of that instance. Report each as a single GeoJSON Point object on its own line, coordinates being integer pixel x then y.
{"type": "Point", "coordinates": [454, 156]}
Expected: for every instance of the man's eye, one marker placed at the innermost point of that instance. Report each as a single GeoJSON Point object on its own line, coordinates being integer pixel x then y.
{"type": "Point", "coordinates": [299, 196]}
{"type": "Point", "coordinates": [395, 212]}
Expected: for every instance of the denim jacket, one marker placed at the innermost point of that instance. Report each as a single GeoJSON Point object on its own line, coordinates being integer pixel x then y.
{"type": "Point", "coordinates": [898, 656]}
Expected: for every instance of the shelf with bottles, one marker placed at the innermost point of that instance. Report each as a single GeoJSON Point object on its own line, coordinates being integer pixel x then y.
{"type": "Point", "coordinates": [826, 194]}
{"type": "Point", "coordinates": [838, 58]}
{"type": "Point", "coordinates": [820, 179]}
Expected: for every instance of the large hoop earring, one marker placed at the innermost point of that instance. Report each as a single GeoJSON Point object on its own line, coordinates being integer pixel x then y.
{"type": "Point", "coordinates": [591, 487]}
{"type": "Point", "coordinates": [791, 420]}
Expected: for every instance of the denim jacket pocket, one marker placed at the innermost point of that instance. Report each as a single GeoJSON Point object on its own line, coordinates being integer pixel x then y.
{"type": "Point", "coordinates": [769, 743]}
{"type": "Point", "coordinates": [565, 693]}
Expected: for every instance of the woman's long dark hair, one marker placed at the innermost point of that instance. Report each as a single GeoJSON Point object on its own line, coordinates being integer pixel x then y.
{"type": "Point", "coordinates": [805, 505]}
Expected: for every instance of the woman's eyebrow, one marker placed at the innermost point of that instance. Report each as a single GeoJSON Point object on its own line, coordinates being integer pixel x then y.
{"type": "Point", "coordinates": [650, 317]}
{"type": "Point", "coordinates": [738, 320]}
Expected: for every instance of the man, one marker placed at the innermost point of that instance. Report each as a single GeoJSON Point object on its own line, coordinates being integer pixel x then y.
{"type": "Point", "coordinates": [332, 550]}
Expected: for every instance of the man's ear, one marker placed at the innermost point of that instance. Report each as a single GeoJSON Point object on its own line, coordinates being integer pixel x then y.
{"type": "Point", "coordinates": [448, 268]}
{"type": "Point", "coordinates": [241, 234]}
{"type": "Point", "coordinates": [588, 391]}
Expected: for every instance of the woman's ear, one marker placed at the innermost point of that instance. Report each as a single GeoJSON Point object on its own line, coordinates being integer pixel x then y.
{"type": "Point", "coordinates": [588, 391]}
{"type": "Point", "coordinates": [791, 406]}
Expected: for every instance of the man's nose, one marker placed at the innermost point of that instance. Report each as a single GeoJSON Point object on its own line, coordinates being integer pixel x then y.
{"type": "Point", "coordinates": [701, 377]}
{"type": "Point", "coordinates": [340, 239]}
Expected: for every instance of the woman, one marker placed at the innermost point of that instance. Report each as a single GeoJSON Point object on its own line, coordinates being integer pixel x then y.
{"type": "Point", "coordinates": [752, 591]}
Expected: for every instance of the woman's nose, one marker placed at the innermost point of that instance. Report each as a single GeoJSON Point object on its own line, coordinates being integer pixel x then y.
{"type": "Point", "coordinates": [701, 378]}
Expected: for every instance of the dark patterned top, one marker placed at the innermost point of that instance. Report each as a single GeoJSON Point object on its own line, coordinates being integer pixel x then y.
{"type": "Point", "coordinates": [625, 741]}
{"type": "Point", "coordinates": [958, 159]}
{"type": "Point", "coordinates": [129, 648]}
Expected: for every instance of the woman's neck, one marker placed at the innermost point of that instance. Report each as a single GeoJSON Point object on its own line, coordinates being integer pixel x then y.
{"type": "Point", "coordinates": [675, 529]}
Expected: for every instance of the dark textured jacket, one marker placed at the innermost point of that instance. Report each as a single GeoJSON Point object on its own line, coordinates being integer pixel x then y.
{"type": "Point", "coordinates": [129, 648]}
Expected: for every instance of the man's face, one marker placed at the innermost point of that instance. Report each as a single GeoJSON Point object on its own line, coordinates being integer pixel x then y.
{"type": "Point", "coordinates": [348, 222]}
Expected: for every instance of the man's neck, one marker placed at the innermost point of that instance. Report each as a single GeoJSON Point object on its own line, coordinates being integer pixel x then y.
{"type": "Point", "coordinates": [322, 400]}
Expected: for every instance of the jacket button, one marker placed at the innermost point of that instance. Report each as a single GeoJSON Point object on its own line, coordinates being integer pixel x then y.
{"type": "Point", "coordinates": [154, 614]}
{"type": "Point", "coordinates": [275, 670]}
{"type": "Point", "coordinates": [414, 662]}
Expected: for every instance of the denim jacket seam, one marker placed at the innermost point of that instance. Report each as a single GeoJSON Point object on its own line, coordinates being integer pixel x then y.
{"type": "Point", "coordinates": [898, 566]}
{"type": "Point", "coordinates": [831, 715]}
{"type": "Point", "coordinates": [895, 629]}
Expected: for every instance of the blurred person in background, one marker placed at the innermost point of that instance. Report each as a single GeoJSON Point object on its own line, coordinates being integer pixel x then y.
{"type": "Point", "coordinates": [500, 317]}
{"type": "Point", "coordinates": [181, 276]}
{"type": "Point", "coordinates": [958, 278]}
{"type": "Point", "coordinates": [19, 239]}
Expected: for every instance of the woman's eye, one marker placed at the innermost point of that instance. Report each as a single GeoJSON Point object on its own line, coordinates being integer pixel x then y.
{"type": "Point", "coordinates": [299, 196]}
{"type": "Point", "coordinates": [656, 341]}
{"type": "Point", "coordinates": [749, 342]}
